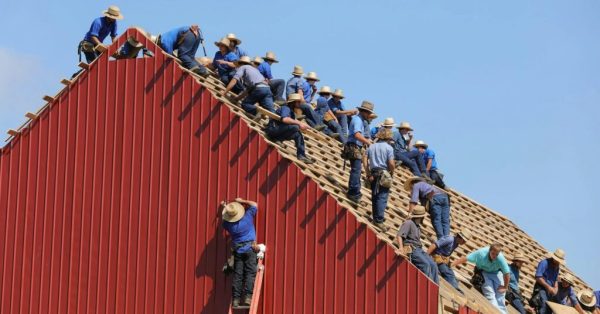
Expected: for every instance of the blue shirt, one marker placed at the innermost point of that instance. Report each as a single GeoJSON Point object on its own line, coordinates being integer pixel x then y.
{"type": "Point", "coordinates": [401, 142]}
{"type": "Point", "coordinates": [398, 141]}
{"type": "Point", "coordinates": [294, 85]}
{"type": "Point", "coordinates": [265, 69]}
{"type": "Point", "coordinates": [514, 278]}
{"type": "Point", "coordinates": [374, 131]}
{"type": "Point", "coordinates": [242, 230]}
{"type": "Point", "coordinates": [379, 154]}
{"type": "Point", "coordinates": [307, 91]}
{"type": "Point", "coordinates": [100, 28]}
{"type": "Point", "coordinates": [481, 259]}
{"type": "Point", "coordinates": [356, 125]}
{"type": "Point", "coordinates": [335, 105]}
{"type": "Point", "coordinates": [239, 52]}
{"type": "Point", "coordinates": [322, 106]}
{"type": "Point", "coordinates": [420, 190]}
{"type": "Point", "coordinates": [597, 293]}
{"type": "Point", "coordinates": [168, 40]}
{"type": "Point", "coordinates": [222, 68]}
{"type": "Point", "coordinates": [430, 154]}
{"type": "Point", "coordinates": [546, 271]}
{"type": "Point", "coordinates": [566, 296]}
{"type": "Point", "coordinates": [445, 246]}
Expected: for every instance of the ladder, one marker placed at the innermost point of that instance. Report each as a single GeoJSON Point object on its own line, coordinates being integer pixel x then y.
{"type": "Point", "coordinates": [258, 280]}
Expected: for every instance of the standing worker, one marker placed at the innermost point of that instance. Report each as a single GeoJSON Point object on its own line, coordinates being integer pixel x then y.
{"type": "Point", "coordinates": [100, 28]}
{"type": "Point", "coordinates": [238, 220]}
{"type": "Point", "coordinates": [379, 166]}
{"type": "Point", "coordinates": [185, 40]}
{"type": "Point", "coordinates": [353, 149]}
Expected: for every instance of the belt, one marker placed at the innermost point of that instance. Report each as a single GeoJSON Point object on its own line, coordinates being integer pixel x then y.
{"type": "Point", "coordinates": [261, 85]}
{"type": "Point", "coordinates": [440, 259]}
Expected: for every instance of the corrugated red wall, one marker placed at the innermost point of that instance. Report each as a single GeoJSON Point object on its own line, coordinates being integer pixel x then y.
{"type": "Point", "coordinates": [109, 204]}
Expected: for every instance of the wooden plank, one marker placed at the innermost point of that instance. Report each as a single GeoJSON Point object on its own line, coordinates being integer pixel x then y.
{"type": "Point", "coordinates": [561, 309]}
{"type": "Point", "coordinates": [49, 99]}
{"type": "Point", "coordinates": [12, 132]}
{"type": "Point", "coordinates": [66, 82]}
{"type": "Point", "coordinates": [84, 65]}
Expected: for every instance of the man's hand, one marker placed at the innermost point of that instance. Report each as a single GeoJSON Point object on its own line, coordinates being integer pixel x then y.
{"type": "Point", "coordinates": [238, 199]}
{"type": "Point", "coordinates": [400, 252]}
{"type": "Point", "coordinates": [501, 289]}
{"type": "Point", "coordinates": [552, 291]}
{"type": "Point", "coordinates": [303, 126]}
{"type": "Point", "coordinates": [371, 178]}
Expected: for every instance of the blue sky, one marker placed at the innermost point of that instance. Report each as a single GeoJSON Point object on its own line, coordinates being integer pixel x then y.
{"type": "Point", "coordinates": [507, 92]}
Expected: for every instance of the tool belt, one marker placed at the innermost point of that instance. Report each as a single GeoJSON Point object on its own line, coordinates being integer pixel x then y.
{"type": "Point", "coordinates": [536, 301]}
{"type": "Point", "coordinates": [352, 151]}
{"type": "Point", "coordinates": [408, 249]}
{"type": "Point", "coordinates": [328, 116]}
{"type": "Point", "coordinates": [440, 259]}
{"type": "Point", "coordinates": [477, 280]}
{"type": "Point", "coordinates": [86, 46]}
{"type": "Point", "coordinates": [382, 178]}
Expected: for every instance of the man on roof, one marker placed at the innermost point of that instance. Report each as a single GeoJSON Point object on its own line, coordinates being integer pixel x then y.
{"type": "Point", "coordinates": [185, 40]}
{"type": "Point", "coordinates": [409, 241]}
{"type": "Point", "coordinates": [326, 116]}
{"type": "Point", "coordinates": [379, 166]}
{"type": "Point", "coordinates": [353, 149]}
{"type": "Point", "coordinates": [442, 249]}
{"type": "Point", "coordinates": [277, 85]}
{"type": "Point", "coordinates": [298, 85]}
{"type": "Point", "coordinates": [546, 280]}
{"type": "Point", "coordinates": [434, 199]}
{"type": "Point", "coordinates": [101, 27]}
{"type": "Point", "coordinates": [403, 153]}
{"type": "Point", "coordinates": [513, 295]}
{"type": "Point", "coordinates": [288, 128]}
{"type": "Point", "coordinates": [224, 63]}
{"type": "Point", "coordinates": [234, 45]}
{"type": "Point", "coordinates": [565, 294]}
{"type": "Point", "coordinates": [255, 86]}
{"type": "Point", "coordinates": [431, 167]}
{"type": "Point", "coordinates": [495, 272]}
{"type": "Point", "coordinates": [337, 107]}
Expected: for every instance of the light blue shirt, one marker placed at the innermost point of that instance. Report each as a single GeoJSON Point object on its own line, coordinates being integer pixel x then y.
{"type": "Point", "coordinates": [430, 154]}
{"type": "Point", "coordinates": [379, 154]}
{"type": "Point", "coordinates": [307, 91]}
{"type": "Point", "coordinates": [335, 105]}
{"type": "Point", "coordinates": [239, 52]}
{"type": "Point", "coordinates": [514, 278]}
{"type": "Point", "coordinates": [322, 106]}
{"type": "Point", "coordinates": [294, 85]}
{"type": "Point", "coordinates": [482, 260]}
{"type": "Point", "coordinates": [248, 75]}
{"type": "Point", "coordinates": [356, 125]}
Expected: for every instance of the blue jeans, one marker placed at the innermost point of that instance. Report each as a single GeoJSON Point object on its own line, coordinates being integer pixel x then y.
{"type": "Point", "coordinates": [544, 308]}
{"type": "Point", "coordinates": [186, 52]}
{"type": "Point", "coordinates": [354, 180]}
{"type": "Point", "coordinates": [447, 273]}
{"type": "Point", "coordinates": [490, 290]}
{"type": "Point", "coordinates": [439, 210]}
{"type": "Point", "coordinates": [343, 121]}
{"type": "Point", "coordinates": [277, 88]}
{"type": "Point", "coordinates": [413, 160]}
{"type": "Point", "coordinates": [312, 118]}
{"type": "Point", "coordinates": [279, 131]}
{"type": "Point", "coordinates": [261, 95]}
{"type": "Point", "coordinates": [379, 199]}
{"type": "Point", "coordinates": [424, 262]}
{"type": "Point", "coordinates": [334, 127]}
{"type": "Point", "coordinates": [518, 305]}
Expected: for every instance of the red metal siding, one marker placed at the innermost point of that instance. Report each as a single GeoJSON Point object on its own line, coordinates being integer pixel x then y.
{"type": "Point", "coordinates": [109, 204]}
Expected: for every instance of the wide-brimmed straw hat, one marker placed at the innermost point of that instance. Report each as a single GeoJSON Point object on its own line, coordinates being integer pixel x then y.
{"type": "Point", "coordinates": [233, 212]}
{"type": "Point", "coordinates": [587, 298]}
{"type": "Point", "coordinates": [464, 234]}
{"type": "Point", "coordinates": [568, 278]}
{"type": "Point", "coordinates": [384, 134]}
{"type": "Point", "coordinates": [257, 60]}
{"type": "Point", "coordinates": [232, 38]}
{"type": "Point", "coordinates": [558, 255]}
{"type": "Point", "coordinates": [520, 257]}
{"type": "Point", "coordinates": [244, 60]}
{"type": "Point", "coordinates": [338, 93]}
{"type": "Point", "coordinates": [134, 42]}
{"type": "Point", "coordinates": [420, 143]}
{"type": "Point", "coordinates": [418, 212]}
{"type": "Point", "coordinates": [325, 90]}
{"type": "Point", "coordinates": [366, 106]}
{"type": "Point", "coordinates": [388, 122]}
{"type": "Point", "coordinates": [113, 12]}
{"type": "Point", "coordinates": [270, 56]}
{"type": "Point", "coordinates": [298, 70]}
{"type": "Point", "coordinates": [410, 181]}
{"type": "Point", "coordinates": [204, 60]}
{"type": "Point", "coordinates": [405, 125]}
{"type": "Point", "coordinates": [372, 116]}
{"type": "Point", "coordinates": [294, 97]}
{"type": "Point", "coordinates": [223, 42]}
{"type": "Point", "coordinates": [312, 76]}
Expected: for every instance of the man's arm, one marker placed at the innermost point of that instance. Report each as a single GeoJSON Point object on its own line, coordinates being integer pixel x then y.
{"type": "Point", "coordinates": [542, 282]}
{"type": "Point", "coordinates": [246, 202]}
{"type": "Point", "coordinates": [362, 138]}
{"type": "Point", "coordinates": [503, 288]}
{"type": "Point", "coordinates": [429, 162]}
{"type": "Point", "coordinates": [365, 161]}
{"type": "Point", "coordinates": [391, 165]}
{"type": "Point", "coordinates": [288, 120]}
{"type": "Point", "coordinates": [230, 85]}
{"type": "Point", "coordinates": [579, 308]}
{"type": "Point", "coordinates": [459, 261]}
{"type": "Point", "coordinates": [400, 251]}
{"type": "Point", "coordinates": [431, 248]}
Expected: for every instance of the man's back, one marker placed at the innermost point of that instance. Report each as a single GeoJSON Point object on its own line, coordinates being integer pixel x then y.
{"type": "Point", "coordinates": [379, 154]}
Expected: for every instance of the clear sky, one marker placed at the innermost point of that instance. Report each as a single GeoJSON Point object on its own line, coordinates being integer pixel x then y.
{"type": "Point", "coordinates": [506, 92]}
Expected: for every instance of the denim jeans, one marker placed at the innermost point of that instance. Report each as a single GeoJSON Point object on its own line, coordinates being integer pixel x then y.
{"type": "Point", "coordinates": [354, 180]}
{"type": "Point", "coordinates": [437, 179]}
{"type": "Point", "coordinates": [425, 263]}
{"type": "Point", "coordinates": [279, 131]}
{"type": "Point", "coordinates": [439, 210]}
{"type": "Point", "coordinates": [244, 273]}
{"type": "Point", "coordinates": [261, 95]}
{"type": "Point", "coordinates": [379, 199]}
{"type": "Point", "coordinates": [343, 121]}
{"type": "Point", "coordinates": [447, 273]}
{"type": "Point", "coordinates": [544, 296]}
{"type": "Point", "coordinates": [186, 52]}
{"type": "Point", "coordinates": [490, 290]}
{"type": "Point", "coordinates": [277, 88]}
{"type": "Point", "coordinates": [413, 160]}
{"type": "Point", "coordinates": [312, 118]}
{"type": "Point", "coordinates": [518, 305]}
{"type": "Point", "coordinates": [334, 127]}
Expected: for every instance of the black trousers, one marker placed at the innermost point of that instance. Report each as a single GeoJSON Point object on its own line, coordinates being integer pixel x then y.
{"type": "Point", "coordinates": [244, 272]}
{"type": "Point", "coordinates": [435, 176]}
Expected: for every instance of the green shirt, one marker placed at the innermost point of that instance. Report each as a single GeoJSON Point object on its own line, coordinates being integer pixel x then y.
{"type": "Point", "coordinates": [481, 259]}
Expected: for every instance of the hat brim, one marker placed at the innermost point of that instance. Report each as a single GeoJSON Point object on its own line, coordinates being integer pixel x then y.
{"type": "Point", "coordinates": [365, 109]}
{"type": "Point", "coordinates": [592, 302]}
{"type": "Point", "coordinates": [338, 96]}
{"type": "Point", "coordinates": [406, 128]}
{"type": "Point", "coordinates": [311, 79]}
{"type": "Point", "coordinates": [420, 145]}
{"type": "Point", "coordinates": [519, 260]}
{"type": "Point", "coordinates": [243, 62]}
{"type": "Point", "coordinates": [389, 125]}
{"type": "Point", "coordinates": [561, 261]}
{"type": "Point", "coordinates": [298, 74]}
{"type": "Point", "coordinates": [118, 17]}
{"type": "Point", "coordinates": [272, 60]}
{"type": "Point", "coordinates": [234, 218]}
{"type": "Point", "coordinates": [235, 41]}
{"type": "Point", "coordinates": [418, 216]}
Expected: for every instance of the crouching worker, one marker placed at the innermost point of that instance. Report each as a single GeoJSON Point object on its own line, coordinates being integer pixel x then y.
{"type": "Point", "coordinates": [288, 128]}
{"type": "Point", "coordinates": [255, 86]}
{"type": "Point", "coordinates": [238, 220]}
{"type": "Point", "coordinates": [409, 239]}
{"type": "Point", "coordinates": [99, 30]}
{"type": "Point", "coordinates": [379, 166]}
{"type": "Point", "coordinates": [513, 295]}
{"type": "Point", "coordinates": [185, 40]}
{"type": "Point", "coordinates": [442, 249]}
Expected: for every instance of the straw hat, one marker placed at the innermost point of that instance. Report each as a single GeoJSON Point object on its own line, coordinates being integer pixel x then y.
{"type": "Point", "coordinates": [420, 143]}
{"type": "Point", "coordinates": [325, 90]}
{"type": "Point", "coordinates": [244, 60]}
{"type": "Point", "coordinates": [418, 212]}
{"type": "Point", "coordinates": [270, 56]}
{"type": "Point", "coordinates": [298, 70]}
{"type": "Point", "coordinates": [154, 38]}
{"type": "Point", "coordinates": [294, 97]}
{"type": "Point", "coordinates": [257, 60]}
{"type": "Point", "coordinates": [410, 181]}
{"type": "Point", "coordinates": [389, 122]}
{"type": "Point", "coordinates": [384, 134]}
{"type": "Point", "coordinates": [372, 116]}
{"type": "Point", "coordinates": [232, 38]}
{"type": "Point", "coordinates": [464, 234]}
{"type": "Point", "coordinates": [233, 212]}
{"type": "Point", "coordinates": [405, 125]}
{"type": "Point", "coordinates": [204, 60]}
{"type": "Point", "coordinates": [366, 106]}
{"type": "Point", "coordinates": [113, 12]}
{"type": "Point", "coordinates": [133, 42]}
{"type": "Point", "coordinates": [223, 42]}
{"type": "Point", "coordinates": [338, 93]}
{"type": "Point", "coordinates": [519, 257]}
{"type": "Point", "coordinates": [568, 278]}
{"type": "Point", "coordinates": [587, 298]}
{"type": "Point", "coordinates": [558, 255]}
{"type": "Point", "coordinates": [312, 76]}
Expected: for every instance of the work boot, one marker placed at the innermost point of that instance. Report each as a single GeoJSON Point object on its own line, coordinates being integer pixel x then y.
{"type": "Point", "coordinates": [280, 102]}
{"type": "Point", "coordinates": [320, 127]}
{"type": "Point", "coordinates": [354, 198]}
{"type": "Point", "coordinates": [381, 226]}
{"type": "Point", "coordinates": [306, 160]}
{"type": "Point", "coordinates": [235, 303]}
{"type": "Point", "coordinates": [335, 135]}
{"type": "Point", "coordinates": [248, 300]}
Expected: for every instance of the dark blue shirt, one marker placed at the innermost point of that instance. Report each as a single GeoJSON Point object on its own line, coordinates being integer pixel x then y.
{"type": "Point", "coordinates": [168, 40]}
{"type": "Point", "coordinates": [546, 271]}
{"type": "Point", "coordinates": [242, 230]}
{"type": "Point", "coordinates": [430, 154]}
{"type": "Point", "coordinates": [101, 27]}
{"type": "Point", "coordinates": [239, 52]}
{"type": "Point", "coordinates": [335, 105]}
{"type": "Point", "coordinates": [514, 278]}
{"type": "Point", "coordinates": [566, 296]}
{"type": "Point", "coordinates": [265, 69]}
{"type": "Point", "coordinates": [445, 246]}
{"type": "Point", "coordinates": [223, 68]}
{"type": "Point", "coordinates": [322, 106]}
{"type": "Point", "coordinates": [307, 91]}
{"type": "Point", "coordinates": [597, 293]}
